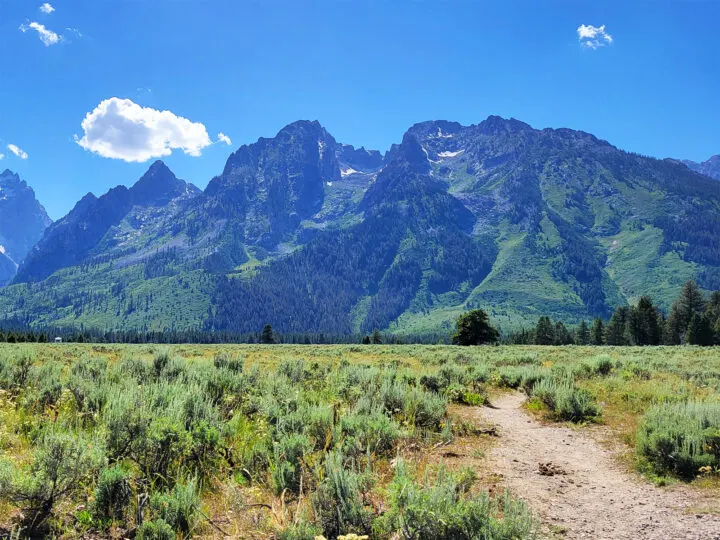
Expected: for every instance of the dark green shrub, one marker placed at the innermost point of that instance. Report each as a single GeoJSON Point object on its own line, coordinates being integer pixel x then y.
{"type": "Point", "coordinates": [680, 438]}
{"type": "Point", "coordinates": [374, 432]}
{"type": "Point", "coordinates": [575, 405]}
{"type": "Point", "coordinates": [443, 508]}
{"type": "Point", "coordinates": [600, 365]}
{"type": "Point", "coordinates": [161, 360]}
{"type": "Point", "coordinates": [338, 502]}
{"type": "Point", "coordinates": [293, 369]}
{"type": "Point", "coordinates": [451, 374]}
{"type": "Point", "coordinates": [87, 383]}
{"type": "Point", "coordinates": [286, 467]}
{"type": "Point", "coordinates": [424, 409]}
{"type": "Point", "coordinates": [317, 424]}
{"type": "Point", "coordinates": [45, 385]}
{"type": "Point", "coordinates": [565, 401]}
{"type": "Point", "coordinates": [232, 363]}
{"type": "Point", "coordinates": [161, 450]}
{"type": "Point", "coordinates": [133, 368]}
{"type": "Point", "coordinates": [206, 454]}
{"type": "Point", "coordinates": [113, 494]}
{"type": "Point", "coordinates": [155, 530]}
{"type": "Point", "coordinates": [301, 531]}
{"type": "Point", "coordinates": [430, 382]}
{"type": "Point", "coordinates": [62, 462]}
{"type": "Point", "coordinates": [179, 508]}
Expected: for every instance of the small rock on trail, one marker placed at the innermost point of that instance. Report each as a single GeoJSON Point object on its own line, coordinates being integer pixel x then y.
{"type": "Point", "coordinates": [576, 486]}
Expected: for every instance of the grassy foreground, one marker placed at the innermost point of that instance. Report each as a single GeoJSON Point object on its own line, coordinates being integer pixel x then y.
{"type": "Point", "coordinates": [298, 441]}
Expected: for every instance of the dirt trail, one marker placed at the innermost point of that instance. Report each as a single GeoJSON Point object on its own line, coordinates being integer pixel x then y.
{"type": "Point", "coordinates": [585, 493]}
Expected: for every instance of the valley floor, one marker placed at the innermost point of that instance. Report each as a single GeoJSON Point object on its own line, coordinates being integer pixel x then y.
{"type": "Point", "coordinates": [490, 414]}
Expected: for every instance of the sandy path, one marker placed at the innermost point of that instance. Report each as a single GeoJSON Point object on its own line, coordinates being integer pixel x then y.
{"type": "Point", "coordinates": [596, 498]}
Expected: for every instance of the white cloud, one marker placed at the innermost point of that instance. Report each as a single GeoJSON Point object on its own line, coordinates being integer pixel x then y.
{"type": "Point", "coordinates": [48, 37]}
{"type": "Point", "coordinates": [17, 151]}
{"type": "Point", "coordinates": [2, 156]}
{"type": "Point", "coordinates": [593, 37]}
{"type": "Point", "coordinates": [47, 8]}
{"type": "Point", "coordinates": [224, 138]}
{"type": "Point", "coordinates": [121, 129]}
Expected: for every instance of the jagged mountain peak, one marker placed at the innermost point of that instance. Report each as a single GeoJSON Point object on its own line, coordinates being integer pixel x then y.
{"type": "Point", "coordinates": [496, 214]}
{"type": "Point", "coordinates": [435, 129]}
{"type": "Point", "coordinates": [7, 175]}
{"type": "Point", "coordinates": [710, 168]}
{"type": "Point", "coordinates": [360, 159]}
{"type": "Point", "coordinates": [22, 222]}
{"type": "Point", "coordinates": [159, 185]}
{"type": "Point", "coordinates": [494, 125]}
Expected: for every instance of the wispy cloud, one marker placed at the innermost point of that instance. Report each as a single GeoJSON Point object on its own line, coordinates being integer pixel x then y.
{"type": "Point", "coordinates": [48, 37]}
{"type": "Point", "coordinates": [19, 152]}
{"type": "Point", "coordinates": [121, 129]}
{"type": "Point", "coordinates": [2, 156]}
{"type": "Point", "coordinates": [593, 37]}
{"type": "Point", "coordinates": [224, 138]}
{"type": "Point", "coordinates": [74, 31]}
{"type": "Point", "coordinates": [47, 8]}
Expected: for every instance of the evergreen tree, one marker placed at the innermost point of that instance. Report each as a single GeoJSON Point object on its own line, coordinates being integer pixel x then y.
{"type": "Point", "coordinates": [544, 332]}
{"type": "Point", "coordinates": [700, 331]}
{"type": "Point", "coordinates": [598, 332]}
{"type": "Point", "coordinates": [673, 332]}
{"type": "Point", "coordinates": [562, 336]}
{"type": "Point", "coordinates": [583, 334]}
{"type": "Point", "coordinates": [712, 311]}
{"type": "Point", "coordinates": [366, 340]}
{"type": "Point", "coordinates": [267, 337]}
{"type": "Point", "coordinates": [689, 303]}
{"type": "Point", "coordinates": [644, 324]}
{"type": "Point", "coordinates": [473, 328]}
{"type": "Point", "coordinates": [616, 330]}
{"type": "Point", "coordinates": [377, 337]}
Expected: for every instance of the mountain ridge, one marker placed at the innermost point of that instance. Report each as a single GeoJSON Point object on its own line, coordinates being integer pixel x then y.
{"type": "Point", "coordinates": [314, 235]}
{"type": "Point", "coordinates": [710, 168]}
{"type": "Point", "coordinates": [22, 222]}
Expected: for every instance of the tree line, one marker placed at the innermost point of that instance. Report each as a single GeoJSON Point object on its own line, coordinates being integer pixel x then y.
{"type": "Point", "coordinates": [693, 319]}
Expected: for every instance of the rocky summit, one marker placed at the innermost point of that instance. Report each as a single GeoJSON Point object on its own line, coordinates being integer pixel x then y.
{"type": "Point", "coordinates": [22, 223]}
{"type": "Point", "coordinates": [313, 235]}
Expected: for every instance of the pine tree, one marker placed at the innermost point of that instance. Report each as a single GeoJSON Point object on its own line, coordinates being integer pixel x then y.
{"type": "Point", "coordinates": [689, 303]}
{"type": "Point", "coordinates": [583, 334]}
{"type": "Point", "coordinates": [712, 311]}
{"type": "Point", "coordinates": [544, 332]}
{"type": "Point", "coordinates": [598, 332]}
{"type": "Point", "coordinates": [267, 337]}
{"type": "Point", "coordinates": [700, 332]}
{"type": "Point", "coordinates": [473, 328]}
{"type": "Point", "coordinates": [562, 336]}
{"type": "Point", "coordinates": [377, 337]}
{"type": "Point", "coordinates": [673, 332]}
{"type": "Point", "coordinates": [644, 323]}
{"type": "Point", "coordinates": [616, 330]}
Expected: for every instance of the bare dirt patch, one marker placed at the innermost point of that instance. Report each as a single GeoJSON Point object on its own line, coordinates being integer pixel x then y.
{"type": "Point", "coordinates": [578, 488]}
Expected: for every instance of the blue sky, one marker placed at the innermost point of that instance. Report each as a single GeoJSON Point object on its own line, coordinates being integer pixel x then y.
{"type": "Point", "coordinates": [366, 70]}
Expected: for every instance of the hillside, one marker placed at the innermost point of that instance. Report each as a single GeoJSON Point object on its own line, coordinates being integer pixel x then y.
{"type": "Point", "coordinates": [315, 236]}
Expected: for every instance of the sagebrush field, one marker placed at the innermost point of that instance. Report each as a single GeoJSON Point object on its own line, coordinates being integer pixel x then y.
{"type": "Point", "coordinates": [294, 442]}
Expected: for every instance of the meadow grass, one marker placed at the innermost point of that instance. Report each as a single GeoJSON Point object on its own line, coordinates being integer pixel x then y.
{"type": "Point", "coordinates": [302, 440]}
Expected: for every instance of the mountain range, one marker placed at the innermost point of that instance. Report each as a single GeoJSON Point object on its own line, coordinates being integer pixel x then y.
{"type": "Point", "coordinates": [312, 235]}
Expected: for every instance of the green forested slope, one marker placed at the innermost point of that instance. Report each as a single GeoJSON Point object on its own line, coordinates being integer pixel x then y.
{"type": "Point", "coordinates": [311, 235]}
